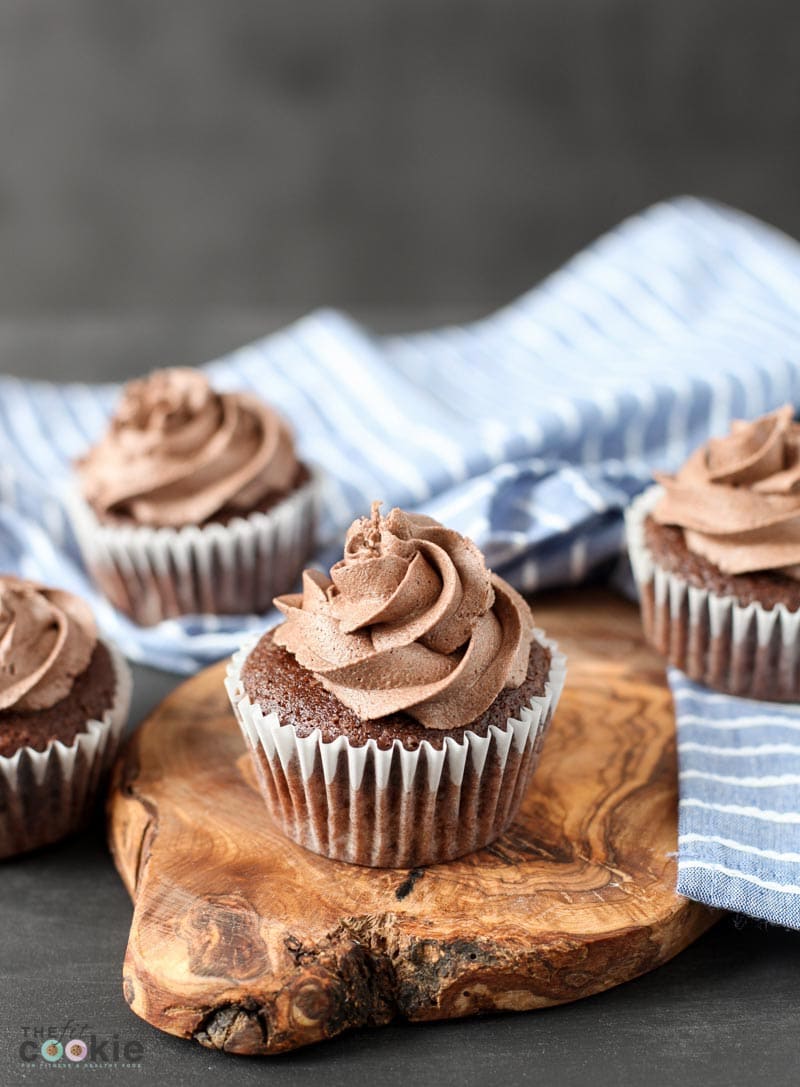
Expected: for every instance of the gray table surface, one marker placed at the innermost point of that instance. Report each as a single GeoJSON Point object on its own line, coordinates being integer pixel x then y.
{"type": "Point", "coordinates": [723, 1012]}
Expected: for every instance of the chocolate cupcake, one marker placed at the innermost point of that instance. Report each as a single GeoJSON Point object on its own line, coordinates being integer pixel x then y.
{"type": "Point", "coordinates": [715, 550]}
{"type": "Point", "coordinates": [396, 715]}
{"type": "Point", "coordinates": [194, 501]}
{"type": "Point", "coordinates": [64, 699]}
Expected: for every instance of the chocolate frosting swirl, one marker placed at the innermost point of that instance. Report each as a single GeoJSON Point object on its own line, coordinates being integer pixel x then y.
{"type": "Point", "coordinates": [410, 620]}
{"type": "Point", "coordinates": [47, 637]}
{"type": "Point", "coordinates": [176, 453]}
{"type": "Point", "coordinates": [738, 498]}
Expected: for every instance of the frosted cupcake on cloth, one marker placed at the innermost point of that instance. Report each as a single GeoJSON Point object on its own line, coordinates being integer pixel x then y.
{"type": "Point", "coordinates": [715, 550]}
{"type": "Point", "coordinates": [193, 502]}
{"type": "Point", "coordinates": [64, 699]}
{"type": "Point", "coordinates": [396, 715]}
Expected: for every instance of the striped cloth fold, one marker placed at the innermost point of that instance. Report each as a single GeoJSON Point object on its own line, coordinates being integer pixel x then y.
{"type": "Point", "coordinates": [739, 812]}
{"type": "Point", "coordinates": [529, 431]}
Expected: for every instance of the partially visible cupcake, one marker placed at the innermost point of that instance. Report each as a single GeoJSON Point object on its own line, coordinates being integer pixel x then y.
{"type": "Point", "coordinates": [193, 502]}
{"type": "Point", "coordinates": [715, 550]}
{"type": "Point", "coordinates": [64, 699]}
{"type": "Point", "coordinates": [396, 715]}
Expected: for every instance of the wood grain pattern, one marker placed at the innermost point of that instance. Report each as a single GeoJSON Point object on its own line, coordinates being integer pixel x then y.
{"type": "Point", "coordinates": [247, 943]}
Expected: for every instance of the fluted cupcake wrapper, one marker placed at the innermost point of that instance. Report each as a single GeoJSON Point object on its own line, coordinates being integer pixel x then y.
{"type": "Point", "coordinates": [741, 649]}
{"type": "Point", "coordinates": [45, 795]}
{"type": "Point", "coordinates": [236, 568]}
{"type": "Point", "coordinates": [394, 808]}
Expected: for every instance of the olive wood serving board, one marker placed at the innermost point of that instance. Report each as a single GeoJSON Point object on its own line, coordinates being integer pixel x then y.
{"type": "Point", "coordinates": [247, 943]}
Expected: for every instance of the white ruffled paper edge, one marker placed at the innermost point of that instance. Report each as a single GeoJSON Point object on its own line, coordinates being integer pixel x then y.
{"type": "Point", "coordinates": [268, 732]}
{"type": "Point", "coordinates": [99, 740]}
{"type": "Point", "coordinates": [275, 544]}
{"type": "Point", "coordinates": [724, 612]}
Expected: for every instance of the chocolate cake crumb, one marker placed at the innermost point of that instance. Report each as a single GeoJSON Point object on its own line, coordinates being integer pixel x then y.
{"type": "Point", "coordinates": [274, 680]}
{"type": "Point", "coordinates": [91, 695]}
{"type": "Point", "coordinates": [667, 543]}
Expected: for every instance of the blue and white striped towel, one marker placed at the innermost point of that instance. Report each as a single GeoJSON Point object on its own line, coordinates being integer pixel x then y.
{"type": "Point", "coordinates": [529, 430]}
{"type": "Point", "coordinates": [739, 821]}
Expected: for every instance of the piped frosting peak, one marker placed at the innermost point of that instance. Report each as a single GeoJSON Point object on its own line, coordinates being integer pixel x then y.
{"type": "Point", "coordinates": [737, 498]}
{"type": "Point", "coordinates": [409, 620]}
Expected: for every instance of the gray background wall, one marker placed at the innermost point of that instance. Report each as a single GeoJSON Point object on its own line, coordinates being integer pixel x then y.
{"type": "Point", "coordinates": [174, 155]}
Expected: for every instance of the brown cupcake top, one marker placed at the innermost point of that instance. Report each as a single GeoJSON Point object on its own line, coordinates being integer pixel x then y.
{"type": "Point", "coordinates": [47, 638]}
{"type": "Point", "coordinates": [410, 620]}
{"type": "Point", "coordinates": [176, 453]}
{"type": "Point", "coordinates": [273, 679]}
{"type": "Point", "coordinates": [737, 498]}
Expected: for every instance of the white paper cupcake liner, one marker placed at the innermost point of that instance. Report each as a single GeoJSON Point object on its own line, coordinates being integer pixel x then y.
{"type": "Point", "coordinates": [394, 808]}
{"type": "Point", "coordinates": [741, 649]}
{"type": "Point", "coordinates": [236, 568]}
{"type": "Point", "coordinates": [45, 795]}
